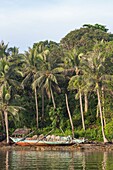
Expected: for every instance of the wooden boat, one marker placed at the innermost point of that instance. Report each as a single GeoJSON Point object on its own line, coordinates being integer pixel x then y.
{"type": "Point", "coordinates": [31, 142]}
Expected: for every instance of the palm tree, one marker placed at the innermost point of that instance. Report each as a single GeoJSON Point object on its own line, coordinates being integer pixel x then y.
{"type": "Point", "coordinates": [6, 85]}
{"type": "Point", "coordinates": [72, 61]}
{"type": "Point", "coordinates": [30, 68]}
{"type": "Point", "coordinates": [69, 113]}
{"type": "Point", "coordinates": [46, 78]}
{"type": "Point", "coordinates": [7, 109]}
{"type": "Point", "coordinates": [94, 72]}
{"type": "Point", "coordinates": [76, 83]}
{"type": "Point", "coordinates": [3, 50]}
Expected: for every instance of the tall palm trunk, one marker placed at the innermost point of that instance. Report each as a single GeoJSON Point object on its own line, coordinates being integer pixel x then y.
{"type": "Point", "coordinates": [103, 108]}
{"type": "Point", "coordinates": [42, 104]}
{"type": "Point", "coordinates": [81, 109]}
{"type": "Point", "coordinates": [6, 125]}
{"type": "Point", "coordinates": [101, 116]}
{"type": "Point", "coordinates": [36, 102]}
{"type": "Point", "coordinates": [3, 125]}
{"type": "Point", "coordinates": [86, 102]}
{"type": "Point", "coordinates": [97, 115]}
{"type": "Point", "coordinates": [81, 106]}
{"type": "Point", "coordinates": [53, 100]}
{"type": "Point", "coordinates": [70, 118]}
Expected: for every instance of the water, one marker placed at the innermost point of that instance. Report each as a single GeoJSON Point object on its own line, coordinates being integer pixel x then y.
{"type": "Point", "coordinates": [55, 160]}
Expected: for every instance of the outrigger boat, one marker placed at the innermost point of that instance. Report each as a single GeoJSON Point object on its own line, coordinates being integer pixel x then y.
{"type": "Point", "coordinates": [37, 142]}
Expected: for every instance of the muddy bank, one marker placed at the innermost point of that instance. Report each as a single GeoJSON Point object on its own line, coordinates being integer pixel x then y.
{"type": "Point", "coordinates": [75, 147]}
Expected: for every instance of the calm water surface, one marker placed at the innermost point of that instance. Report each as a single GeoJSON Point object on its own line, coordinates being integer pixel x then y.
{"type": "Point", "coordinates": [55, 160]}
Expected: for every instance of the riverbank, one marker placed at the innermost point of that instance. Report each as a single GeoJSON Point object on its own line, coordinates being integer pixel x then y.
{"type": "Point", "coordinates": [76, 147]}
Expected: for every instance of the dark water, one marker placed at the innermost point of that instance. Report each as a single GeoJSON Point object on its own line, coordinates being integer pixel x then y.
{"type": "Point", "coordinates": [55, 160]}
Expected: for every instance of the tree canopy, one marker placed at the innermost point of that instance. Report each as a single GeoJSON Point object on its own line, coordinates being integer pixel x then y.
{"type": "Point", "coordinates": [67, 86]}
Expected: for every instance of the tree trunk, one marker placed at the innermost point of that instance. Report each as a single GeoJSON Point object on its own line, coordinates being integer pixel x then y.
{"type": "Point", "coordinates": [53, 100]}
{"type": "Point", "coordinates": [101, 116]}
{"type": "Point", "coordinates": [81, 106]}
{"type": "Point", "coordinates": [103, 108]}
{"type": "Point", "coordinates": [70, 118]}
{"type": "Point", "coordinates": [82, 114]}
{"type": "Point", "coordinates": [86, 103]}
{"type": "Point", "coordinates": [36, 102]}
{"type": "Point", "coordinates": [6, 125]}
{"type": "Point", "coordinates": [3, 125]}
{"type": "Point", "coordinates": [97, 115]}
{"type": "Point", "coordinates": [42, 104]}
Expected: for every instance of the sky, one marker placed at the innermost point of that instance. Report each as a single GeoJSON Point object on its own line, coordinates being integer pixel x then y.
{"type": "Point", "coordinates": [24, 22]}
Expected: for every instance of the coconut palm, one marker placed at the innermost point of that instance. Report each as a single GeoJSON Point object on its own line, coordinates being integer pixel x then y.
{"type": "Point", "coordinates": [6, 85]}
{"type": "Point", "coordinates": [76, 83]}
{"type": "Point", "coordinates": [7, 109]}
{"type": "Point", "coordinates": [46, 78]}
{"type": "Point", "coordinates": [72, 61]}
{"type": "Point", "coordinates": [69, 113]}
{"type": "Point", "coordinates": [37, 70]}
{"type": "Point", "coordinates": [30, 67]}
{"type": "Point", "coordinates": [3, 50]}
{"type": "Point", "coordinates": [94, 72]}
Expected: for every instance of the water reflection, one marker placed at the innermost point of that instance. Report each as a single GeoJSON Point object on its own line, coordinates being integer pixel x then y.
{"type": "Point", "coordinates": [55, 160]}
{"type": "Point", "coordinates": [49, 160]}
{"type": "Point", "coordinates": [7, 160]}
{"type": "Point", "coordinates": [104, 161]}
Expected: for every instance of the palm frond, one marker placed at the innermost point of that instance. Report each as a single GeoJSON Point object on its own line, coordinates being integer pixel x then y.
{"type": "Point", "coordinates": [24, 82]}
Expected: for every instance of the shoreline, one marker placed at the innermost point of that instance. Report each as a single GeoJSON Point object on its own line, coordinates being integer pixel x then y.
{"type": "Point", "coordinates": [76, 147]}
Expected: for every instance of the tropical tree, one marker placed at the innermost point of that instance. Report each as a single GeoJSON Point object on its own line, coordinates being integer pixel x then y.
{"type": "Point", "coordinates": [69, 113]}
{"type": "Point", "coordinates": [94, 71]}
{"type": "Point", "coordinates": [72, 60]}
{"type": "Point", "coordinates": [3, 50]}
{"type": "Point", "coordinates": [30, 68]}
{"type": "Point", "coordinates": [46, 78]}
{"type": "Point", "coordinates": [7, 83]}
{"type": "Point", "coordinates": [85, 38]}
{"type": "Point", "coordinates": [96, 26]}
{"type": "Point", "coordinates": [6, 108]}
{"type": "Point", "coordinates": [76, 83]}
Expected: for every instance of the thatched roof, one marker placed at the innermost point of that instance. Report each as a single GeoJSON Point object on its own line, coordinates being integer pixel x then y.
{"type": "Point", "coordinates": [21, 131]}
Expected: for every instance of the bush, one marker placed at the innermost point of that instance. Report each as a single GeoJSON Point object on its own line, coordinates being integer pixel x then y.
{"type": "Point", "coordinates": [91, 134]}
{"type": "Point", "coordinates": [109, 130]}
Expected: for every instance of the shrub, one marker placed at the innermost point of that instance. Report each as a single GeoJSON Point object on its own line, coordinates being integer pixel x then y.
{"type": "Point", "coordinates": [109, 130]}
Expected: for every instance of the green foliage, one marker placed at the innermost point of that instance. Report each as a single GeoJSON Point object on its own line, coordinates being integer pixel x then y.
{"type": "Point", "coordinates": [56, 117]}
{"type": "Point", "coordinates": [109, 130]}
{"type": "Point", "coordinates": [84, 39]}
{"type": "Point", "coordinates": [91, 134]}
{"type": "Point", "coordinates": [67, 132]}
{"type": "Point", "coordinates": [81, 62]}
{"type": "Point", "coordinates": [96, 26]}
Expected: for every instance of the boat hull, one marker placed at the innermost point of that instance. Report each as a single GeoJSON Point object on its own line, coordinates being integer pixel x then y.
{"type": "Point", "coordinates": [43, 144]}
{"type": "Point", "coordinates": [21, 142]}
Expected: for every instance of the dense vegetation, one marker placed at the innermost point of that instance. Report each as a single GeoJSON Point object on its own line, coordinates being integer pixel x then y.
{"type": "Point", "coordinates": [64, 86]}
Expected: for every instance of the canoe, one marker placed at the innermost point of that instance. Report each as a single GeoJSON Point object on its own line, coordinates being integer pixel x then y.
{"type": "Point", "coordinates": [30, 142]}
